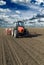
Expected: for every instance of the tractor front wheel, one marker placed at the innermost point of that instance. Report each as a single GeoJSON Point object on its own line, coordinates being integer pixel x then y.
{"type": "Point", "coordinates": [15, 33]}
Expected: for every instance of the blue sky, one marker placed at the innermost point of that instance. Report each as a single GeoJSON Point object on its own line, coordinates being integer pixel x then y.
{"type": "Point", "coordinates": [11, 10]}
{"type": "Point", "coordinates": [12, 4]}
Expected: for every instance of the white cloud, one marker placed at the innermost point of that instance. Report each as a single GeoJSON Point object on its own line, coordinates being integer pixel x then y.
{"type": "Point", "coordinates": [9, 18]}
{"type": "Point", "coordinates": [3, 14]}
{"type": "Point", "coordinates": [17, 12]}
{"type": "Point", "coordinates": [4, 10]}
{"type": "Point", "coordinates": [35, 8]}
{"type": "Point", "coordinates": [42, 19]}
{"type": "Point", "coordinates": [6, 18]}
{"type": "Point", "coordinates": [42, 11]}
{"type": "Point", "coordinates": [20, 1]}
{"type": "Point", "coordinates": [2, 2]}
{"type": "Point", "coordinates": [15, 15]}
{"type": "Point", "coordinates": [39, 1]}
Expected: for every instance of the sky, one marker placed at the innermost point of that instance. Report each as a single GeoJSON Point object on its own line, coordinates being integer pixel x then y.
{"type": "Point", "coordinates": [13, 10]}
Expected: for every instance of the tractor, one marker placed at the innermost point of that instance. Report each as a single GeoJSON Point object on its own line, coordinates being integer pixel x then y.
{"type": "Point", "coordinates": [19, 30]}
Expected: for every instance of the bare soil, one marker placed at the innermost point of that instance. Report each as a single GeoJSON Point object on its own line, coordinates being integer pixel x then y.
{"type": "Point", "coordinates": [22, 51]}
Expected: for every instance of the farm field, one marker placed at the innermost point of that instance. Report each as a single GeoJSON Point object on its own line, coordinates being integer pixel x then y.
{"type": "Point", "coordinates": [22, 51]}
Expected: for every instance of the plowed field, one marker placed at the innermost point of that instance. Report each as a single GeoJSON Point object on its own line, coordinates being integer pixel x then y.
{"type": "Point", "coordinates": [22, 51]}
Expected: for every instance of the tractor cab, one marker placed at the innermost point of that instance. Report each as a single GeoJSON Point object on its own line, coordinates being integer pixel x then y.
{"type": "Point", "coordinates": [20, 24]}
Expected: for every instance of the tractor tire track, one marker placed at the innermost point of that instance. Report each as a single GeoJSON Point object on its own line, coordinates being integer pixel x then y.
{"type": "Point", "coordinates": [8, 54]}
{"type": "Point", "coordinates": [30, 44]}
{"type": "Point", "coordinates": [13, 52]}
{"type": "Point", "coordinates": [37, 44]}
{"type": "Point", "coordinates": [24, 53]}
{"type": "Point", "coordinates": [34, 51]}
{"type": "Point", "coordinates": [1, 54]}
{"type": "Point", "coordinates": [30, 52]}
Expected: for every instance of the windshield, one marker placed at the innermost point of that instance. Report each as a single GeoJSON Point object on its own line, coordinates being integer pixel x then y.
{"type": "Point", "coordinates": [20, 24]}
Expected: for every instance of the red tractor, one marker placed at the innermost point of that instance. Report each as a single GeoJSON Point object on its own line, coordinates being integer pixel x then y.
{"type": "Point", "coordinates": [19, 30]}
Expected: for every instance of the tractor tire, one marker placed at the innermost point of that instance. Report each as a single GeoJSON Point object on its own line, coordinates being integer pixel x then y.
{"type": "Point", "coordinates": [14, 34]}
{"type": "Point", "coordinates": [17, 35]}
